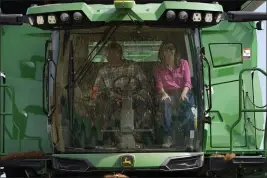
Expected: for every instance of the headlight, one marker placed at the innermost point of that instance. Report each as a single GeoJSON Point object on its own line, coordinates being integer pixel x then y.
{"type": "Point", "coordinates": [31, 20]}
{"type": "Point", "coordinates": [208, 17]}
{"type": "Point", "coordinates": [40, 20]}
{"type": "Point", "coordinates": [52, 19]}
{"type": "Point", "coordinates": [197, 17]}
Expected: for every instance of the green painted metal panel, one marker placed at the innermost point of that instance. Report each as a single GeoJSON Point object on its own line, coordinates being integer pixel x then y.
{"type": "Point", "coordinates": [22, 57]}
{"type": "Point", "coordinates": [224, 46]}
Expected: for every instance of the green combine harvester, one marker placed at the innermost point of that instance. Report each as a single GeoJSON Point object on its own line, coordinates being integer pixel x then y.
{"type": "Point", "coordinates": [57, 122]}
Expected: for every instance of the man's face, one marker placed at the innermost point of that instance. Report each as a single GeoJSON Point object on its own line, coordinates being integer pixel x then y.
{"type": "Point", "coordinates": [113, 55]}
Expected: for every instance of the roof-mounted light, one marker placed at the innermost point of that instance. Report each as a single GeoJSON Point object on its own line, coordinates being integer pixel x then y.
{"type": "Point", "coordinates": [218, 18]}
{"type": "Point", "coordinates": [64, 17]}
{"type": "Point", "coordinates": [183, 16]}
{"type": "Point", "coordinates": [40, 20]}
{"type": "Point", "coordinates": [197, 17]}
{"type": "Point", "coordinates": [77, 16]}
{"type": "Point", "coordinates": [31, 21]}
{"type": "Point", "coordinates": [170, 15]}
{"type": "Point", "coordinates": [51, 19]}
{"type": "Point", "coordinates": [208, 17]}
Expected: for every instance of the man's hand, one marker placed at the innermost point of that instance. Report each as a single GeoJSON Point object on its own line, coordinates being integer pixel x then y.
{"type": "Point", "coordinates": [116, 97]}
{"type": "Point", "coordinates": [117, 100]}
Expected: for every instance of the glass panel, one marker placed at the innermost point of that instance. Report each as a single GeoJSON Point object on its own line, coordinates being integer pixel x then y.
{"type": "Point", "coordinates": [147, 51]}
{"type": "Point", "coordinates": [131, 98]}
{"type": "Point", "coordinates": [223, 54]}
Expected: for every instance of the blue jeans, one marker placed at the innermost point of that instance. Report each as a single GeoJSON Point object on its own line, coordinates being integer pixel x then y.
{"type": "Point", "coordinates": [176, 110]}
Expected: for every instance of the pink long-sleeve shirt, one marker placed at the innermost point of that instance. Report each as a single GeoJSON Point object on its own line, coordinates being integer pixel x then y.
{"type": "Point", "coordinates": [178, 78]}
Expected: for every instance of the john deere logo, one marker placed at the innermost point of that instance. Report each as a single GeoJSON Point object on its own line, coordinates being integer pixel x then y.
{"type": "Point", "coordinates": [127, 161]}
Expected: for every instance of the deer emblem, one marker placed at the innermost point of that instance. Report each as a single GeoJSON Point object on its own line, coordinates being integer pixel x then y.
{"type": "Point", "coordinates": [127, 161]}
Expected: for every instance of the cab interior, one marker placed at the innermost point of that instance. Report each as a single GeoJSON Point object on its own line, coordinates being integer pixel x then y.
{"type": "Point", "coordinates": [139, 44]}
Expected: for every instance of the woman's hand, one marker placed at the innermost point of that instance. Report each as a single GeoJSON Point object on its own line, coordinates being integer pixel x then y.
{"type": "Point", "coordinates": [165, 96]}
{"type": "Point", "coordinates": [183, 96]}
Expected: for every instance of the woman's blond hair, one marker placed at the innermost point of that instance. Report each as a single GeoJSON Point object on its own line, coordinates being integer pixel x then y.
{"type": "Point", "coordinates": [169, 45]}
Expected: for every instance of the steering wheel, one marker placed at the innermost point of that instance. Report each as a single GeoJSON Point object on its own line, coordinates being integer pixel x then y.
{"type": "Point", "coordinates": [125, 87]}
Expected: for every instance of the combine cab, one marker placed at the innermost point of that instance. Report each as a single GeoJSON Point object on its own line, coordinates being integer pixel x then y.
{"type": "Point", "coordinates": [103, 118]}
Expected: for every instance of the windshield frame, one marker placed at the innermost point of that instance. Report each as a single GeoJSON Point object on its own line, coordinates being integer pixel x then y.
{"type": "Point", "coordinates": [194, 55]}
{"type": "Point", "coordinates": [198, 66]}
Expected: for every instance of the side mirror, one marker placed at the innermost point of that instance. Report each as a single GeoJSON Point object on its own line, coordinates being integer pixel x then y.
{"type": "Point", "coordinates": [245, 16]}
{"type": "Point", "coordinates": [11, 19]}
{"type": "Point", "coordinates": [3, 76]}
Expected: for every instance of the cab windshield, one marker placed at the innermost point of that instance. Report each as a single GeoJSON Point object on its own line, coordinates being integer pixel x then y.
{"type": "Point", "coordinates": [126, 88]}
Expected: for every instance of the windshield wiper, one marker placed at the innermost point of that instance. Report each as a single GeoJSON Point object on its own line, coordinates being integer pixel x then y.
{"type": "Point", "coordinates": [86, 66]}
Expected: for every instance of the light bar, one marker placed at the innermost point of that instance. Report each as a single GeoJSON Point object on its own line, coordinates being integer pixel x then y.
{"type": "Point", "coordinates": [170, 17]}
{"type": "Point", "coordinates": [199, 18]}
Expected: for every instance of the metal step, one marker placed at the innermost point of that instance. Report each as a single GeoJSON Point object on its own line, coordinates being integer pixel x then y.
{"type": "Point", "coordinates": [219, 163]}
{"type": "Point", "coordinates": [249, 160]}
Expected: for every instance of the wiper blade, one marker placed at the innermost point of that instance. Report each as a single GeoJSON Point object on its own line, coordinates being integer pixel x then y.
{"type": "Point", "coordinates": [84, 68]}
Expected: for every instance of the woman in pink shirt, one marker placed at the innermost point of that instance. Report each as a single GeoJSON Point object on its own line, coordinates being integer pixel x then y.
{"type": "Point", "coordinates": [173, 81]}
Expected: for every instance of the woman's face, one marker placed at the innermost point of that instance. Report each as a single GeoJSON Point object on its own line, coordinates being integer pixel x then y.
{"type": "Point", "coordinates": [168, 55]}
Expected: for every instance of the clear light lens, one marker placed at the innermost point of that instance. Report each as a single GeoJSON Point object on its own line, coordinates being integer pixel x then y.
{"type": "Point", "coordinates": [219, 18]}
{"type": "Point", "coordinates": [77, 16]}
{"type": "Point", "coordinates": [183, 15]}
{"type": "Point", "coordinates": [64, 17]}
{"type": "Point", "coordinates": [31, 21]}
{"type": "Point", "coordinates": [197, 17]}
{"type": "Point", "coordinates": [170, 15]}
{"type": "Point", "coordinates": [52, 19]}
{"type": "Point", "coordinates": [208, 17]}
{"type": "Point", "coordinates": [40, 20]}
